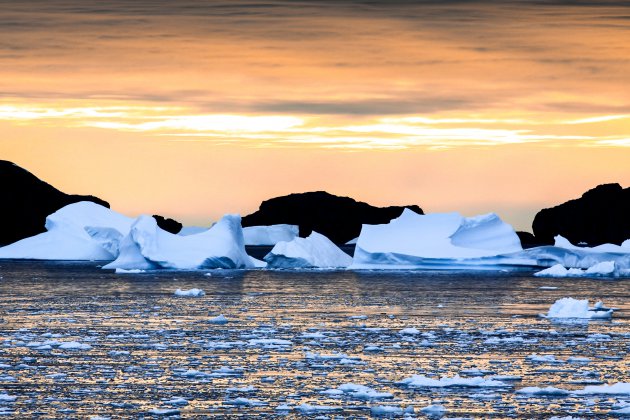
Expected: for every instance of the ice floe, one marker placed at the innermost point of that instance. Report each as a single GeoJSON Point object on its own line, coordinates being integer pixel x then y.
{"type": "Point", "coordinates": [189, 293]}
{"type": "Point", "coordinates": [418, 381]}
{"type": "Point", "coordinates": [569, 308]}
{"type": "Point", "coordinates": [315, 251]}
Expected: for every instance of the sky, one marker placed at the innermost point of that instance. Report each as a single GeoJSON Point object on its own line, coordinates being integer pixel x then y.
{"type": "Point", "coordinates": [194, 109]}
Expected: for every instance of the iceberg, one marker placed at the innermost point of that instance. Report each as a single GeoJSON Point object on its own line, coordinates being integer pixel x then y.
{"type": "Point", "coordinates": [270, 235]}
{"type": "Point", "coordinates": [316, 251]}
{"type": "Point", "coordinates": [602, 260]}
{"type": "Point", "coordinates": [414, 240]}
{"type": "Point", "coordinates": [569, 308]}
{"type": "Point", "coordinates": [68, 235]}
{"type": "Point", "coordinates": [146, 246]}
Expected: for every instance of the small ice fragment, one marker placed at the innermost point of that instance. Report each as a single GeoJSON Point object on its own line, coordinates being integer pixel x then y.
{"type": "Point", "coordinates": [189, 293]}
{"type": "Point", "coordinates": [219, 320]}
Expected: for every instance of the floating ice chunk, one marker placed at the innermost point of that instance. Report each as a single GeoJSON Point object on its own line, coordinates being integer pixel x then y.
{"type": "Point", "coordinates": [66, 237]}
{"type": "Point", "coordinates": [567, 308]}
{"type": "Point", "coordinates": [316, 251]}
{"type": "Point", "coordinates": [284, 407]}
{"type": "Point", "coordinates": [189, 293]}
{"type": "Point", "coordinates": [74, 345]}
{"type": "Point", "coordinates": [360, 392]}
{"type": "Point", "coordinates": [386, 410]}
{"type": "Point", "coordinates": [131, 271]}
{"type": "Point", "coordinates": [620, 388]}
{"type": "Point", "coordinates": [410, 239]}
{"type": "Point", "coordinates": [148, 246]}
{"type": "Point", "coordinates": [165, 411]}
{"type": "Point", "coordinates": [434, 410]}
{"type": "Point", "coordinates": [245, 402]}
{"type": "Point", "coordinates": [6, 398]}
{"type": "Point", "coordinates": [550, 391]}
{"type": "Point", "coordinates": [409, 331]}
{"type": "Point", "coordinates": [270, 235]}
{"type": "Point", "coordinates": [582, 360]}
{"type": "Point", "coordinates": [219, 320]}
{"type": "Point", "coordinates": [177, 401]}
{"type": "Point", "coordinates": [418, 381]}
{"type": "Point", "coordinates": [269, 342]}
{"type": "Point", "coordinates": [545, 358]}
{"type": "Point", "coordinates": [558, 270]}
{"type": "Point", "coordinates": [309, 409]}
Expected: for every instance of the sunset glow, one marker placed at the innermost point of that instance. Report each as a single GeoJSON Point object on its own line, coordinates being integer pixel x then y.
{"type": "Point", "coordinates": [194, 109]}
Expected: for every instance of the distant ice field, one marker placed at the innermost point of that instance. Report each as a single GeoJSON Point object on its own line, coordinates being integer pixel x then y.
{"type": "Point", "coordinates": [80, 342]}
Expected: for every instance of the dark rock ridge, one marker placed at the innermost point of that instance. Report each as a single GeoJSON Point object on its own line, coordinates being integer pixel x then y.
{"type": "Point", "coordinates": [601, 215]}
{"type": "Point", "coordinates": [338, 218]}
{"type": "Point", "coordinates": [528, 240]}
{"type": "Point", "coordinates": [169, 225]}
{"type": "Point", "coordinates": [27, 201]}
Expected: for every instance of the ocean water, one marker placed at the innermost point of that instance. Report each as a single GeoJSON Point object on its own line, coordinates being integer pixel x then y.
{"type": "Point", "coordinates": [294, 338]}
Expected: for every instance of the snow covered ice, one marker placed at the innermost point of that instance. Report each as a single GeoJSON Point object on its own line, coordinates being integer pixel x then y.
{"type": "Point", "coordinates": [315, 251]}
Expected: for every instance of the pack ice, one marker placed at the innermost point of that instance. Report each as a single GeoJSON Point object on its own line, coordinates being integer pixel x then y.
{"type": "Point", "coordinates": [315, 251]}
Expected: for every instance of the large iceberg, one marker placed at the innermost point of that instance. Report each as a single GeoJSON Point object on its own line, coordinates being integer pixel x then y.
{"type": "Point", "coordinates": [437, 239]}
{"type": "Point", "coordinates": [449, 240]}
{"type": "Point", "coordinates": [270, 235]}
{"type": "Point", "coordinates": [147, 246]}
{"type": "Point", "coordinates": [67, 236]}
{"type": "Point", "coordinates": [315, 251]}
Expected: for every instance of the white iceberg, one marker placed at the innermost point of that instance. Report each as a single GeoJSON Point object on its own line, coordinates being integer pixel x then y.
{"type": "Point", "coordinates": [270, 235]}
{"type": "Point", "coordinates": [414, 240]}
{"type": "Point", "coordinates": [569, 308]}
{"type": "Point", "coordinates": [316, 251]}
{"type": "Point", "coordinates": [67, 236]}
{"type": "Point", "coordinates": [147, 246]}
{"type": "Point", "coordinates": [602, 260]}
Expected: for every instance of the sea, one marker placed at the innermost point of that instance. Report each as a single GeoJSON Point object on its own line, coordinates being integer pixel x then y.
{"type": "Point", "coordinates": [77, 341]}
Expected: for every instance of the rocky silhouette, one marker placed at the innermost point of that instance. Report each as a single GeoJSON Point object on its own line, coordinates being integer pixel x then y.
{"type": "Point", "coordinates": [528, 240]}
{"type": "Point", "coordinates": [338, 218]}
{"type": "Point", "coordinates": [27, 200]}
{"type": "Point", "coordinates": [169, 225]}
{"type": "Point", "coordinates": [601, 215]}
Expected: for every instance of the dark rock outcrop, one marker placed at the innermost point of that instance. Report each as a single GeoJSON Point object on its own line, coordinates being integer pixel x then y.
{"type": "Point", "coordinates": [27, 201]}
{"type": "Point", "coordinates": [528, 240]}
{"type": "Point", "coordinates": [169, 225]}
{"type": "Point", "coordinates": [601, 215]}
{"type": "Point", "coordinates": [338, 218]}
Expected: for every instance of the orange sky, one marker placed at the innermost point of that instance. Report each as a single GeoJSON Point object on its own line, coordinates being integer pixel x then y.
{"type": "Point", "coordinates": [195, 109]}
